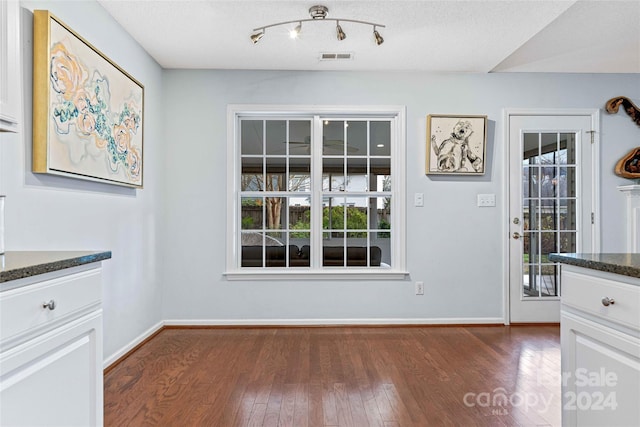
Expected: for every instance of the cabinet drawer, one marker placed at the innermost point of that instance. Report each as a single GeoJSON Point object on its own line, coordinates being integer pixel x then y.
{"type": "Point", "coordinates": [22, 309]}
{"type": "Point", "coordinates": [586, 293]}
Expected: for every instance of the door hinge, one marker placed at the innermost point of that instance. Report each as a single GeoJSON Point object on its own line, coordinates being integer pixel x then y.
{"type": "Point", "coordinates": [592, 133]}
{"type": "Point", "coordinates": [593, 218]}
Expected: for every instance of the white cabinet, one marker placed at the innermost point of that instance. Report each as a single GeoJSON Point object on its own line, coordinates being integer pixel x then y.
{"type": "Point", "coordinates": [600, 341]}
{"type": "Point", "coordinates": [51, 351]}
{"type": "Point", "coordinates": [10, 85]}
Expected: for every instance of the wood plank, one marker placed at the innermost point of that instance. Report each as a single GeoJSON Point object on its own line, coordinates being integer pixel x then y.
{"type": "Point", "coordinates": [378, 376]}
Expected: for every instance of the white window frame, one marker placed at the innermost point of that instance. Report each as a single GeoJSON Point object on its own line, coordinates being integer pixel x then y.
{"type": "Point", "coordinates": [398, 189]}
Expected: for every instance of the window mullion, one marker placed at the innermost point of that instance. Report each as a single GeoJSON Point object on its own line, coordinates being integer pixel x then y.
{"type": "Point", "coordinates": [316, 193]}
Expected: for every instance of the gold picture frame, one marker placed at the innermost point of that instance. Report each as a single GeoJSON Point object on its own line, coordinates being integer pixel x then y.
{"type": "Point", "coordinates": [87, 111]}
{"type": "Point", "coordinates": [456, 145]}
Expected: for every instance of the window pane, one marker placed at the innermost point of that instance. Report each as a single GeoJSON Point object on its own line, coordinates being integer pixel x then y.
{"type": "Point", "coordinates": [567, 149]}
{"type": "Point", "coordinates": [548, 280]}
{"type": "Point", "coordinates": [299, 214]}
{"type": "Point", "coordinates": [252, 213]}
{"type": "Point", "coordinates": [252, 250]}
{"type": "Point", "coordinates": [333, 254]}
{"type": "Point", "coordinates": [531, 151]}
{"type": "Point", "coordinates": [251, 136]}
{"type": "Point", "coordinates": [568, 243]}
{"type": "Point", "coordinates": [549, 148]}
{"type": "Point", "coordinates": [252, 178]}
{"type": "Point", "coordinates": [567, 182]}
{"type": "Point", "coordinates": [549, 245]}
{"type": "Point", "coordinates": [333, 174]}
{"type": "Point", "coordinates": [300, 174]}
{"type": "Point", "coordinates": [530, 212]}
{"type": "Point", "coordinates": [357, 208]}
{"type": "Point", "coordinates": [568, 214]}
{"type": "Point", "coordinates": [276, 137]}
{"type": "Point", "coordinates": [275, 212]}
{"type": "Point", "coordinates": [333, 213]}
{"type": "Point", "coordinates": [530, 181]}
{"type": "Point", "coordinates": [380, 170]}
{"type": "Point", "coordinates": [333, 141]}
{"type": "Point", "coordinates": [300, 137]}
{"type": "Point", "coordinates": [532, 247]}
{"type": "Point", "coordinates": [356, 138]}
{"type": "Point", "coordinates": [380, 217]}
{"type": "Point", "coordinates": [276, 168]}
{"type": "Point", "coordinates": [301, 257]}
{"type": "Point", "coordinates": [357, 179]}
{"type": "Point", "coordinates": [381, 243]}
{"type": "Point", "coordinates": [380, 139]}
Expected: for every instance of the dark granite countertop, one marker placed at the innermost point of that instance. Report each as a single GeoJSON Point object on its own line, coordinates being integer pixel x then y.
{"type": "Point", "coordinates": [20, 264]}
{"type": "Point", "coordinates": [624, 264]}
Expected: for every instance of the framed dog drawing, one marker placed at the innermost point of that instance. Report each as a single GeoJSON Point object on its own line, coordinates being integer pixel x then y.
{"type": "Point", "coordinates": [456, 145]}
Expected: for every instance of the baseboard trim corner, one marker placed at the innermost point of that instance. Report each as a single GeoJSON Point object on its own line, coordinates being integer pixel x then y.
{"type": "Point", "coordinates": [113, 360]}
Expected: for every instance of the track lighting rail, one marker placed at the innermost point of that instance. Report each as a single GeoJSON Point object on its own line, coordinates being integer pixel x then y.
{"type": "Point", "coordinates": [318, 13]}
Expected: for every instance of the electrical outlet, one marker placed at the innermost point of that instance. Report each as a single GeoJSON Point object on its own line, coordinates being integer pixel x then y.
{"type": "Point", "coordinates": [419, 288]}
{"type": "Point", "coordinates": [418, 199]}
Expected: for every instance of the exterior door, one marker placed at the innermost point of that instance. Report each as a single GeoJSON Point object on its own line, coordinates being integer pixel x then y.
{"type": "Point", "coordinates": [551, 207]}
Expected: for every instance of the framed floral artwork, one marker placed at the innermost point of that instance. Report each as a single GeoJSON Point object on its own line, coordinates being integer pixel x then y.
{"type": "Point", "coordinates": [456, 144]}
{"type": "Point", "coordinates": [87, 111]}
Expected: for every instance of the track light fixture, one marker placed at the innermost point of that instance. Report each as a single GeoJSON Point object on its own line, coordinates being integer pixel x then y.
{"type": "Point", "coordinates": [296, 31]}
{"type": "Point", "coordinates": [339, 33]}
{"type": "Point", "coordinates": [318, 13]}
{"type": "Point", "coordinates": [377, 36]}
{"type": "Point", "coordinates": [255, 38]}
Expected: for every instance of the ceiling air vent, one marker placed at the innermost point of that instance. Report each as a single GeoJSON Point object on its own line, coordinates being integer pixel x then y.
{"type": "Point", "coordinates": [332, 56]}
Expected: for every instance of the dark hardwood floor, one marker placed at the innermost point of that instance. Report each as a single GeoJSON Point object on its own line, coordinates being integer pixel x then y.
{"type": "Point", "coordinates": [361, 376]}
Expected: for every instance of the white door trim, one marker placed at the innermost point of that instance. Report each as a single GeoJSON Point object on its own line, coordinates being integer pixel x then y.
{"type": "Point", "coordinates": [595, 147]}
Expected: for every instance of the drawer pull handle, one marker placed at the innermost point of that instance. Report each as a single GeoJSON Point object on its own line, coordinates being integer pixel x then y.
{"type": "Point", "coordinates": [606, 301]}
{"type": "Point", "coordinates": [51, 305]}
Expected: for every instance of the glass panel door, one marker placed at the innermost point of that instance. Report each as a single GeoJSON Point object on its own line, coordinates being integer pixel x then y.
{"type": "Point", "coordinates": [550, 206]}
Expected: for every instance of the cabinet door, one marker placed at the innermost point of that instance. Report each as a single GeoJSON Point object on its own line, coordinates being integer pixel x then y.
{"type": "Point", "coordinates": [9, 65]}
{"type": "Point", "coordinates": [601, 374]}
{"type": "Point", "coordinates": [55, 379]}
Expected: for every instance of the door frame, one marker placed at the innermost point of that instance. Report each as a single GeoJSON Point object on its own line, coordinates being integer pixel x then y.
{"type": "Point", "coordinates": [594, 113]}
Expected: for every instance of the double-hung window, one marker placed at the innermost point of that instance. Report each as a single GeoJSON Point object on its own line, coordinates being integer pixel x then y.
{"type": "Point", "coordinates": [316, 190]}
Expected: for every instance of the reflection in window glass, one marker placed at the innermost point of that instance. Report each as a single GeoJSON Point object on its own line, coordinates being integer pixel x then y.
{"type": "Point", "coordinates": [276, 168]}
{"type": "Point", "coordinates": [357, 178]}
{"type": "Point", "coordinates": [356, 138]}
{"type": "Point", "coordinates": [276, 137]}
{"type": "Point", "coordinates": [252, 178]}
{"type": "Point", "coordinates": [251, 137]}
{"type": "Point", "coordinates": [277, 193]}
{"type": "Point", "coordinates": [333, 138]}
{"type": "Point", "coordinates": [380, 144]}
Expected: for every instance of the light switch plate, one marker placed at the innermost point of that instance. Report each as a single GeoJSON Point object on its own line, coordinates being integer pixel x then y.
{"type": "Point", "coordinates": [418, 199]}
{"type": "Point", "coordinates": [486, 200]}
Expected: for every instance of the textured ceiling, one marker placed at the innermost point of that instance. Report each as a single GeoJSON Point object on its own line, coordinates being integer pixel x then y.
{"type": "Point", "coordinates": [435, 36]}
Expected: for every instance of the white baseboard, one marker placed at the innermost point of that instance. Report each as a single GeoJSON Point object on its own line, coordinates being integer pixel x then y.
{"type": "Point", "coordinates": [137, 340]}
{"type": "Point", "coordinates": [330, 322]}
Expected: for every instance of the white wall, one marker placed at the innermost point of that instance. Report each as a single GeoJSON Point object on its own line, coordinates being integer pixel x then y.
{"type": "Point", "coordinates": [456, 248]}
{"type": "Point", "coordinates": [168, 240]}
{"type": "Point", "coordinates": [55, 213]}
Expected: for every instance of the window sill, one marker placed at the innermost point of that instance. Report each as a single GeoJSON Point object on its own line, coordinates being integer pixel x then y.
{"type": "Point", "coordinates": [306, 274]}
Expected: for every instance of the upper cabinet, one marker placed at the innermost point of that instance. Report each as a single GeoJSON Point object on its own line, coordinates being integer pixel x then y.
{"type": "Point", "coordinates": [9, 65]}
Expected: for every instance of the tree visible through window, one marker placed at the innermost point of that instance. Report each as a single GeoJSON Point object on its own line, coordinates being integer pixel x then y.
{"type": "Point", "coordinates": [315, 202]}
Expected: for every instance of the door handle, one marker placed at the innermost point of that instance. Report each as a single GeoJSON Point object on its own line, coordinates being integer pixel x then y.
{"type": "Point", "coordinates": [516, 235]}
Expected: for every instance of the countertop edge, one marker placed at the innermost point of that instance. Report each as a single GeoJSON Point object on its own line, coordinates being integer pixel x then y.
{"type": "Point", "coordinates": [593, 264]}
{"type": "Point", "coordinates": [47, 267]}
